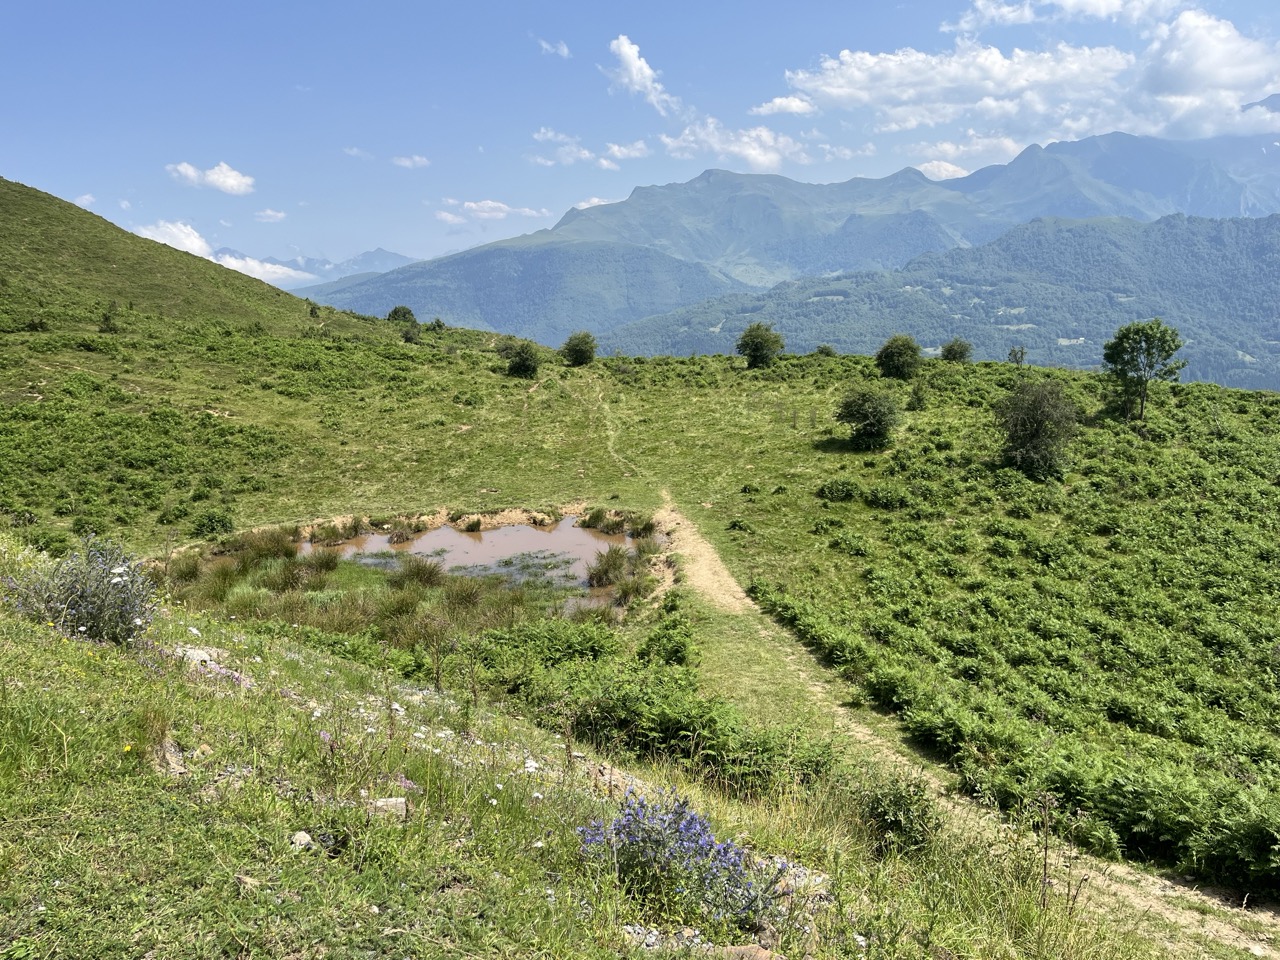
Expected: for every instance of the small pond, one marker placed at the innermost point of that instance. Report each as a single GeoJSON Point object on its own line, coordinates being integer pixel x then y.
{"type": "Point", "coordinates": [520, 550]}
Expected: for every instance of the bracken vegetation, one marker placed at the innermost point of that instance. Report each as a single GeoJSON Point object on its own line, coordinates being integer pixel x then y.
{"type": "Point", "coordinates": [1091, 648]}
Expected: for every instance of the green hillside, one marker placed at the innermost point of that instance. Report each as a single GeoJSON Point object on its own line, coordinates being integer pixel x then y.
{"type": "Point", "coordinates": [1098, 647]}
{"type": "Point", "coordinates": [1058, 287]}
{"type": "Point", "coordinates": [544, 291]}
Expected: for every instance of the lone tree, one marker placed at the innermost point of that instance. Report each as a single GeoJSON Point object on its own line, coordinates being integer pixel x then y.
{"type": "Point", "coordinates": [579, 350]}
{"type": "Point", "coordinates": [872, 416]}
{"type": "Point", "coordinates": [760, 344]}
{"type": "Point", "coordinates": [899, 357]}
{"type": "Point", "coordinates": [401, 314]}
{"type": "Point", "coordinates": [957, 351]}
{"type": "Point", "coordinates": [1139, 353]}
{"type": "Point", "coordinates": [523, 360]}
{"type": "Point", "coordinates": [1038, 420]}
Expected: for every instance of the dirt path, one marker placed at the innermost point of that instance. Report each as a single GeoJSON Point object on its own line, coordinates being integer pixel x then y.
{"type": "Point", "coordinates": [1184, 919]}
{"type": "Point", "coordinates": [704, 571]}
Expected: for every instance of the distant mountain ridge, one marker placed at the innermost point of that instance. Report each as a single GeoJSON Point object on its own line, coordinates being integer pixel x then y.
{"type": "Point", "coordinates": [1058, 287]}
{"type": "Point", "coordinates": [668, 247]}
{"type": "Point", "coordinates": [325, 271]}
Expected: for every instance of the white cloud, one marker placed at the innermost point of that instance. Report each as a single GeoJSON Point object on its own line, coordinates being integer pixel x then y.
{"type": "Point", "coordinates": [183, 236]}
{"type": "Point", "coordinates": [841, 152]}
{"type": "Point", "coordinates": [941, 170]}
{"type": "Point", "coordinates": [496, 210]}
{"type": "Point", "coordinates": [985, 13]}
{"type": "Point", "coordinates": [797, 105]}
{"type": "Point", "coordinates": [358, 153]}
{"type": "Point", "coordinates": [412, 162]}
{"type": "Point", "coordinates": [634, 75]}
{"type": "Point", "coordinates": [269, 216]}
{"type": "Point", "coordinates": [592, 202]}
{"type": "Point", "coordinates": [991, 149]}
{"type": "Point", "coordinates": [269, 272]}
{"type": "Point", "coordinates": [444, 216]}
{"type": "Point", "coordinates": [569, 151]}
{"type": "Point", "coordinates": [627, 151]}
{"type": "Point", "coordinates": [559, 49]}
{"type": "Point", "coordinates": [762, 149]}
{"type": "Point", "coordinates": [222, 177]}
{"type": "Point", "coordinates": [125, 205]}
{"type": "Point", "coordinates": [85, 200]}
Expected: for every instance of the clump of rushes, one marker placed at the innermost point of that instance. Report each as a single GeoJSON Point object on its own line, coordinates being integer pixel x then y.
{"type": "Point", "coordinates": [415, 569]}
{"type": "Point", "coordinates": [666, 856]}
{"type": "Point", "coordinates": [98, 593]}
{"type": "Point", "coordinates": [608, 568]}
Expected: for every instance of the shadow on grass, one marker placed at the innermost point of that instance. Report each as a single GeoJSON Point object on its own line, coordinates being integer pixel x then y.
{"type": "Point", "coordinates": [846, 445]}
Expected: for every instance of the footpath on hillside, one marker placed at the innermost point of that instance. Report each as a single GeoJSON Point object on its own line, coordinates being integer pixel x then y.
{"type": "Point", "coordinates": [756, 663]}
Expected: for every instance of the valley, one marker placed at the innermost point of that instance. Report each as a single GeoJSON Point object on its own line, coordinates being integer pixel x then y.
{"type": "Point", "coordinates": [1092, 653]}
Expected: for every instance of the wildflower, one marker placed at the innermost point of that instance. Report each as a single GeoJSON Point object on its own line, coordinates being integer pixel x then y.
{"type": "Point", "coordinates": [536, 796]}
{"type": "Point", "coordinates": [325, 738]}
{"type": "Point", "coordinates": [493, 802]}
{"type": "Point", "coordinates": [128, 747]}
{"type": "Point", "coordinates": [499, 786]}
{"type": "Point", "coordinates": [193, 631]}
{"type": "Point", "coordinates": [538, 844]}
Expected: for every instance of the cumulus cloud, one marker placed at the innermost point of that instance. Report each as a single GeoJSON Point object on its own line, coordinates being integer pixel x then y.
{"type": "Point", "coordinates": [984, 13]}
{"type": "Point", "coordinates": [269, 272]}
{"type": "Point", "coordinates": [485, 210]}
{"type": "Point", "coordinates": [183, 236]}
{"type": "Point", "coordinates": [1188, 82]}
{"type": "Point", "coordinates": [559, 48]}
{"type": "Point", "coordinates": [569, 150]}
{"type": "Point", "coordinates": [222, 177]}
{"type": "Point", "coordinates": [444, 216]}
{"type": "Point", "coordinates": [269, 216]}
{"type": "Point", "coordinates": [784, 105]}
{"type": "Point", "coordinates": [762, 149]}
{"type": "Point", "coordinates": [941, 170]}
{"type": "Point", "coordinates": [85, 200]}
{"type": "Point", "coordinates": [413, 162]}
{"type": "Point", "coordinates": [627, 151]}
{"type": "Point", "coordinates": [634, 75]}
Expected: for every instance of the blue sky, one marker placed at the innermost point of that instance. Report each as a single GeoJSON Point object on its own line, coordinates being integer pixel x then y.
{"type": "Point", "coordinates": [326, 129]}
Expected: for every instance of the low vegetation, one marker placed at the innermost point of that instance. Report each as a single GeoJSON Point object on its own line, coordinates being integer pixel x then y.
{"type": "Point", "coordinates": [1094, 641]}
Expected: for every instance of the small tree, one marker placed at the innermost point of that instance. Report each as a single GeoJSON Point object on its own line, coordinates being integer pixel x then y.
{"type": "Point", "coordinates": [872, 416]}
{"type": "Point", "coordinates": [1018, 355]}
{"type": "Point", "coordinates": [899, 358]}
{"type": "Point", "coordinates": [523, 360]}
{"type": "Point", "coordinates": [957, 351]}
{"type": "Point", "coordinates": [760, 344]}
{"type": "Point", "coordinates": [1038, 420]}
{"type": "Point", "coordinates": [579, 350]}
{"type": "Point", "coordinates": [401, 314]}
{"type": "Point", "coordinates": [1138, 354]}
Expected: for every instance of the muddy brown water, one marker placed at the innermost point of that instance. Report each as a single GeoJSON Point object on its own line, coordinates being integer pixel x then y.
{"type": "Point", "coordinates": [570, 547]}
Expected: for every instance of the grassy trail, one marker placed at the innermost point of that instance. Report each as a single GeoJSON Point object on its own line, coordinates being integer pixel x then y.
{"type": "Point", "coordinates": [755, 663]}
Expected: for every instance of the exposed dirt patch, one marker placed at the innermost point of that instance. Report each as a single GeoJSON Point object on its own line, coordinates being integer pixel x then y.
{"type": "Point", "coordinates": [702, 566]}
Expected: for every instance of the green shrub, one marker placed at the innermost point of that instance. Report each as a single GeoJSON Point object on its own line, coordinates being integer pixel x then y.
{"type": "Point", "coordinates": [412, 568]}
{"type": "Point", "coordinates": [872, 416]}
{"type": "Point", "coordinates": [96, 593]}
{"type": "Point", "coordinates": [579, 349]}
{"type": "Point", "coordinates": [899, 358]}
{"type": "Point", "coordinates": [839, 490]}
{"type": "Point", "coordinates": [211, 523]}
{"type": "Point", "coordinates": [608, 567]}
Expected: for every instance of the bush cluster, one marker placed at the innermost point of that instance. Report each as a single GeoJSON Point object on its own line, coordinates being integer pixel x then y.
{"type": "Point", "coordinates": [665, 854]}
{"type": "Point", "coordinates": [97, 593]}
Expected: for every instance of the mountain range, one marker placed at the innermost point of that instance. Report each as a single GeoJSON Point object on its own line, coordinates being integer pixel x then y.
{"type": "Point", "coordinates": [668, 248]}
{"type": "Point", "coordinates": [364, 266]}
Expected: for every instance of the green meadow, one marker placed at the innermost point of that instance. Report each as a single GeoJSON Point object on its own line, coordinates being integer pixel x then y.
{"type": "Point", "coordinates": [955, 681]}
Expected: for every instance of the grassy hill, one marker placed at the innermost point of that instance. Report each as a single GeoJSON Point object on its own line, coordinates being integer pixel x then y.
{"type": "Point", "coordinates": [1098, 647]}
